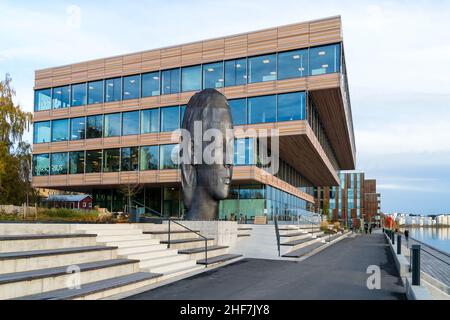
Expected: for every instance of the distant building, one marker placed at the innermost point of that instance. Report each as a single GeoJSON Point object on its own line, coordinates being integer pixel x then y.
{"type": "Point", "coordinates": [81, 202]}
{"type": "Point", "coordinates": [354, 200]}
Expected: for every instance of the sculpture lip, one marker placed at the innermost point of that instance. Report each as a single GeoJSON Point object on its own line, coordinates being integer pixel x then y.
{"type": "Point", "coordinates": [227, 181]}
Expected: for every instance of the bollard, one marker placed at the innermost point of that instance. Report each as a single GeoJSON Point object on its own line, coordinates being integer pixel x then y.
{"type": "Point", "coordinates": [393, 237]}
{"type": "Point", "coordinates": [415, 254]}
{"type": "Point", "coordinates": [399, 244]}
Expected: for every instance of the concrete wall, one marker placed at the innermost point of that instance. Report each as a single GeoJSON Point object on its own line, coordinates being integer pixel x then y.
{"type": "Point", "coordinates": [225, 232]}
{"type": "Point", "coordinates": [35, 228]}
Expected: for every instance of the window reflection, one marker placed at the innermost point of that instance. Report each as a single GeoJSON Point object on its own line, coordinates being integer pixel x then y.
{"type": "Point", "coordinates": [130, 160]}
{"type": "Point", "coordinates": [112, 125]}
{"type": "Point", "coordinates": [131, 85]}
{"type": "Point", "coordinates": [262, 109]}
{"type": "Point", "coordinates": [293, 64]}
{"type": "Point", "coordinates": [150, 120]}
{"type": "Point", "coordinates": [165, 155]}
{"type": "Point", "coordinates": [149, 158]}
{"type": "Point", "coordinates": [60, 130]}
{"type": "Point", "coordinates": [191, 78]}
{"type": "Point", "coordinates": [236, 72]}
{"type": "Point", "coordinates": [262, 68]}
{"type": "Point", "coordinates": [61, 97]}
{"type": "Point", "coordinates": [291, 106]}
{"type": "Point", "coordinates": [95, 92]}
{"type": "Point", "coordinates": [42, 132]}
{"type": "Point", "coordinates": [93, 161]}
{"type": "Point", "coordinates": [150, 84]}
{"type": "Point", "coordinates": [94, 127]}
{"type": "Point", "coordinates": [79, 95]}
{"type": "Point", "coordinates": [170, 118]}
{"type": "Point", "coordinates": [113, 90]}
{"type": "Point", "coordinates": [77, 128]}
{"type": "Point", "coordinates": [171, 81]}
{"type": "Point", "coordinates": [41, 164]}
{"type": "Point", "coordinates": [130, 123]}
{"type": "Point", "coordinates": [42, 99]}
{"type": "Point", "coordinates": [238, 111]}
{"type": "Point", "coordinates": [111, 158]}
{"type": "Point", "coordinates": [76, 162]}
{"type": "Point", "coordinates": [324, 59]}
{"type": "Point", "coordinates": [59, 163]}
{"type": "Point", "coordinates": [213, 75]}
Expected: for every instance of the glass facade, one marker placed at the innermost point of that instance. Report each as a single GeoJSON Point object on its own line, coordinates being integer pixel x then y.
{"type": "Point", "coordinates": [61, 97]}
{"type": "Point", "coordinates": [60, 130]}
{"type": "Point", "coordinates": [95, 92]}
{"type": "Point", "coordinates": [262, 68]}
{"type": "Point", "coordinates": [165, 156]}
{"type": "Point", "coordinates": [94, 161]}
{"type": "Point", "coordinates": [41, 132]}
{"type": "Point", "coordinates": [130, 123]}
{"type": "Point", "coordinates": [112, 125]}
{"type": "Point", "coordinates": [170, 118]}
{"type": "Point", "coordinates": [238, 111]}
{"type": "Point", "coordinates": [150, 84]}
{"type": "Point", "coordinates": [76, 162]}
{"type": "Point", "coordinates": [111, 160]}
{"type": "Point", "coordinates": [191, 78]}
{"type": "Point", "coordinates": [131, 87]}
{"type": "Point", "coordinates": [78, 128]}
{"type": "Point", "coordinates": [236, 72]}
{"type": "Point", "coordinates": [94, 127]}
{"type": "Point", "coordinates": [79, 95]}
{"type": "Point", "coordinates": [59, 163]}
{"type": "Point", "coordinates": [149, 158]}
{"type": "Point", "coordinates": [291, 106]}
{"type": "Point", "coordinates": [41, 164]}
{"type": "Point", "coordinates": [262, 109]}
{"type": "Point", "coordinates": [130, 159]}
{"type": "Point", "coordinates": [244, 151]}
{"type": "Point", "coordinates": [213, 75]}
{"type": "Point", "coordinates": [113, 90]}
{"type": "Point", "coordinates": [282, 65]}
{"type": "Point", "coordinates": [150, 121]}
{"type": "Point", "coordinates": [42, 99]}
{"type": "Point", "coordinates": [292, 64]}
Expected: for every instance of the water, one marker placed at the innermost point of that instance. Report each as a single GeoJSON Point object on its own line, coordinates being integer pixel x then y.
{"type": "Point", "coordinates": [438, 238]}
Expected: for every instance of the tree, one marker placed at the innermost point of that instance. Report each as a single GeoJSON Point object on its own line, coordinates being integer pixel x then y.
{"type": "Point", "coordinates": [130, 191]}
{"type": "Point", "coordinates": [15, 155]}
{"type": "Point", "coordinates": [326, 209]}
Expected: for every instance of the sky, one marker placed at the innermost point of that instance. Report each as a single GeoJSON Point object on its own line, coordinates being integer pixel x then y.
{"type": "Point", "coordinates": [397, 54]}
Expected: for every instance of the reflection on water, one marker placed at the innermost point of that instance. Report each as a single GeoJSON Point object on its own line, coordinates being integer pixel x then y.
{"type": "Point", "coordinates": [435, 237]}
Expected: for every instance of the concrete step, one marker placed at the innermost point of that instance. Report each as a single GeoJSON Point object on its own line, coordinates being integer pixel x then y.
{"type": "Point", "coordinates": [101, 289]}
{"type": "Point", "coordinates": [245, 228]}
{"type": "Point", "coordinates": [294, 236]}
{"type": "Point", "coordinates": [29, 242]}
{"type": "Point", "coordinates": [40, 259]}
{"type": "Point", "coordinates": [106, 226]}
{"type": "Point", "coordinates": [158, 261]}
{"type": "Point", "coordinates": [188, 243]}
{"type": "Point", "coordinates": [303, 251]}
{"type": "Point", "coordinates": [199, 253]}
{"type": "Point", "coordinates": [152, 254]}
{"type": "Point", "coordinates": [150, 227]}
{"type": "Point", "coordinates": [171, 266]}
{"type": "Point", "coordinates": [163, 236]}
{"type": "Point", "coordinates": [114, 232]}
{"type": "Point", "coordinates": [182, 271]}
{"type": "Point", "coordinates": [298, 244]}
{"type": "Point", "coordinates": [243, 235]}
{"type": "Point", "coordinates": [132, 243]}
{"type": "Point", "coordinates": [19, 284]}
{"type": "Point", "coordinates": [219, 259]}
{"type": "Point", "coordinates": [139, 249]}
{"type": "Point", "coordinates": [123, 237]}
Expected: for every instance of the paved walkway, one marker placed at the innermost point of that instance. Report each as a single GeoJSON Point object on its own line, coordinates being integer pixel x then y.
{"type": "Point", "coordinates": [338, 272]}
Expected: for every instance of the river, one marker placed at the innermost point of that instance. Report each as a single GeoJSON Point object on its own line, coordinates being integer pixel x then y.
{"type": "Point", "coordinates": [438, 238]}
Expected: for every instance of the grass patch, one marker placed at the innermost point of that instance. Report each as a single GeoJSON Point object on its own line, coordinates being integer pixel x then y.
{"type": "Point", "coordinates": [54, 215]}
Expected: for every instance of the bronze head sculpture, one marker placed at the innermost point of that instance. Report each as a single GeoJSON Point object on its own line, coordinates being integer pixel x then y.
{"type": "Point", "coordinates": [206, 182]}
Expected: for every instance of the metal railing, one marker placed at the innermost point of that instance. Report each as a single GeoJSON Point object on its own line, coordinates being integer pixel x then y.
{"type": "Point", "coordinates": [169, 232]}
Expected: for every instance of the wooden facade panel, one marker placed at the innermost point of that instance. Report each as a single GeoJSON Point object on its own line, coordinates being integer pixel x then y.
{"type": "Point", "coordinates": [62, 71]}
{"type": "Point", "coordinates": [63, 112]}
{"type": "Point", "coordinates": [94, 144]}
{"type": "Point", "coordinates": [131, 68]}
{"type": "Point", "coordinates": [111, 178]}
{"type": "Point", "coordinates": [293, 42]}
{"type": "Point", "coordinates": [148, 176]}
{"type": "Point", "coordinates": [61, 80]}
{"type": "Point", "coordinates": [192, 48]}
{"type": "Point", "coordinates": [129, 177]}
{"type": "Point", "coordinates": [191, 59]}
{"type": "Point", "coordinates": [83, 66]}
{"type": "Point", "coordinates": [59, 146]}
{"type": "Point", "coordinates": [77, 111]}
{"type": "Point", "coordinates": [43, 83]}
{"type": "Point", "coordinates": [151, 55]}
{"type": "Point", "coordinates": [94, 109]}
{"type": "Point", "coordinates": [324, 81]}
{"type": "Point", "coordinates": [293, 30]}
{"type": "Point", "coordinates": [78, 77]}
{"type": "Point", "coordinates": [131, 140]}
{"type": "Point", "coordinates": [96, 74]}
{"type": "Point", "coordinates": [254, 89]}
{"type": "Point", "coordinates": [149, 139]}
{"type": "Point", "coordinates": [150, 102]}
{"type": "Point", "coordinates": [43, 74]}
{"type": "Point", "coordinates": [151, 65]}
{"type": "Point", "coordinates": [75, 180]}
{"type": "Point", "coordinates": [93, 178]}
{"type": "Point", "coordinates": [132, 58]}
{"type": "Point", "coordinates": [289, 85]}
{"type": "Point", "coordinates": [41, 115]}
{"type": "Point", "coordinates": [58, 180]}
{"type": "Point", "coordinates": [213, 50]}
{"type": "Point", "coordinates": [169, 99]}
{"type": "Point", "coordinates": [167, 176]}
{"type": "Point", "coordinates": [95, 64]}
{"type": "Point", "coordinates": [41, 148]}
{"type": "Point", "coordinates": [235, 47]}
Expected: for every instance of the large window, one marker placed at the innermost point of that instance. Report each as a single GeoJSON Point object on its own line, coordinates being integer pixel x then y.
{"type": "Point", "coordinates": [165, 156]}
{"type": "Point", "coordinates": [171, 81]}
{"type": "Point", "coordinates": [113, 90]}
{"type": "Point", "coordinates": [293, 64]}
{"type": "Point", "coordinates": [150, 84]}
{"type": "Point", "coordinates": [95, 92]}
{"type": "Point", "coordinates": [130, 159]}
{"type": "Point", "coordinates": [150, 120]}
{"type": "Point", "coordinates": [244, 151]}
{"type": "Point", "coordinates": [42, 132]}
{"type": "Point", "coordinates": [112, 125]}
{"type": "Point", "coordinates": [182, 112]}
{"type": "Point", "coordinates": [78, 128]}
{"type": "Point", "coordinates": [131, 86]}
{"type": "Point", "coordinates": [42, 99]}
{"type": "Point", "coordinates": [324, 59]}
{"type": "Point", "coordinates": [60, 130]}
{"type": "Point", "coordinates": [76, 162]}
{"type": "Point", "coordinates": [235, 72]}
{"type": "Point", "coordinates": [262, 68]}
{"type": "Point", "coordinates": [130, 123]}
{"type": "Point", "coordinates": [61, 97]}
{"type": "Point", "coordinates": [262, 109]}
{"type": "Point", "coordinates": [59, 163]}
{"type": "Point", "coordinates": [79, 95]}
{"type": "Point", "coordinates": [238, 111]}
{"type": "Point", "coordinates": [41, 164]}
{"type": "Point", "coordinates": [191, 78]}
{"type": "Point", "coordinates": [93, 161]}
{"type": "Point", "coordinates": [170, 118]}
{"type": "Point", "coordinates": [94, 127]}
{"type": "Point", "coordinates": [213, 75]}
{"type": "Point", "coordinates": [111, 158]}
{"type": "Point", "coordinates": [149, 158]}
{"type": "Point", "coordinates": [291, 106]}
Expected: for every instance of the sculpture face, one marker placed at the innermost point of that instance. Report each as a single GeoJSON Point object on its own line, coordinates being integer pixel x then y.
{"type": "Point", "coordinates": [207, 182]}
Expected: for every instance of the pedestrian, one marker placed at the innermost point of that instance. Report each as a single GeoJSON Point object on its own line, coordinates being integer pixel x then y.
{"type": "Point", "coordinates": [407, 235]}
{"type": "Point", "coordinates": [365, 228]}
{"type": "Point", "coordinates": [370, 229]}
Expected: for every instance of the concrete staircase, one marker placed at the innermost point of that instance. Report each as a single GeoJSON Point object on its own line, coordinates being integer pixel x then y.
{"type": "Point", "coordinates": [190, 245]}
{"type": "Point", "coordinates": [244, 231]}
{"type": "Point", "coordinates": [39, 266]}
{"type": "Point", "coordinates": [152, 253]}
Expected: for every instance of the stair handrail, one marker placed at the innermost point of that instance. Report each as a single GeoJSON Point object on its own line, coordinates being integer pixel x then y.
{"type": "Point", "coordinates": [169, 219]}
{"type": "Point", "coordinates": [277, 233]}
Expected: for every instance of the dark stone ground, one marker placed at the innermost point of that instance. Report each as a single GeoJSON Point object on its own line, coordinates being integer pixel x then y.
{"type": "Point", "coordinates": [338, 272]}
